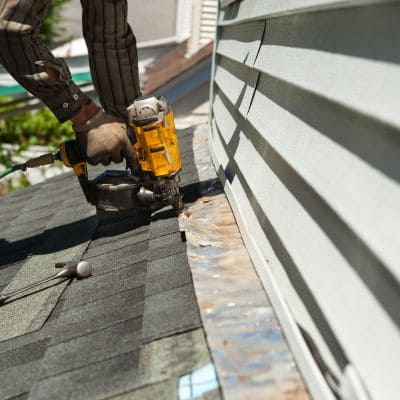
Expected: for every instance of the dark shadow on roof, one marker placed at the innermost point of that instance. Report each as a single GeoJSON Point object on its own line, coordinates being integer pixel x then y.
{"type": "Point", "coordinates": [64, 236]}
{"type": "Point", "coordinates": [43, 243]}
{"type": "Point", "coordinates": [118, 227]}
{"type": "Point", "coordinates": [30, 293]}
{"type": "Point", "coordinates": [194, 191]}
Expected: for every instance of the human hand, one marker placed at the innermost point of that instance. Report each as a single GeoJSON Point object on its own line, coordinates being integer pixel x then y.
{"type": "Point", "coordinates": [104, 138]}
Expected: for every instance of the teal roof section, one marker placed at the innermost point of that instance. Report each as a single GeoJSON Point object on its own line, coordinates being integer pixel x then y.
{"type": "Point", "coordinates": [14, 89]}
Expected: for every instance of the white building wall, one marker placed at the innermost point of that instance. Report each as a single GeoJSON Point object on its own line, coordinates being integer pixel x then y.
{"type": "Point", "coordinates": [157, 22]}
{"type": "Point", "coordinates": [306, 138]}
{"type": "Point", "coordinates": [150, 20]}
{"type": "Point", "coordinates": [204, 18]}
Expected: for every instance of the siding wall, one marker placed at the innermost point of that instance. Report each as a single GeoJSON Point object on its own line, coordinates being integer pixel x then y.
{"type": "Point", "coordinates": [306, 138]}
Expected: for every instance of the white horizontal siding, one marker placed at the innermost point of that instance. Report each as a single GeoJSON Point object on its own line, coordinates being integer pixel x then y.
{"type": "Point", "coordinates": [208, 20]}
{"type": "Point", "coordinates": [331, 169]}
{"type": "Point", "coordinates": [204, 17]}
{"type": "Point", "coordinates": [246, 10]}
{"type": "Point", "coordinates": [250, 226]}
{"type": "Point", "coordinates": [322, 264]}
{"type": "Point", "coordinates": [306, 131]}
{"type": "Point", "coordinates": [237, 82]}
{"type": "Point", "coordinates": [241, 45]}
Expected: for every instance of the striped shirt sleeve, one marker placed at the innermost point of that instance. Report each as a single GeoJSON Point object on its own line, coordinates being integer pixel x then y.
{"type": "Point", "coordinates": [112, 56]}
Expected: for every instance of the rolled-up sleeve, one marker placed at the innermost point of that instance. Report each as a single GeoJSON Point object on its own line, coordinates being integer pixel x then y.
{"type": "Point", "coordinates": [26, 58]}
{"type": "Point", "coordinates": [112, 54]}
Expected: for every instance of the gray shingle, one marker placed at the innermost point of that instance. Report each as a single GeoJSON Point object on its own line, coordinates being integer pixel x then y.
{"type": "Point", "coordinates": [130, 329]}
{"type": "Point", "coordinates": [129, 255]}
{"type": "Point", "coordinates": [174, 356]}
{"type": "Point", "coordinates": [18, 230]}
{"type": "Point", "coordinates": [22, 396]}
{"type": "Point", "coordinates": [99, 380]}
{"type": "Point", "coordinates": [9, 213]}
{"type": "Point", "coordinates": [166, 250]}
{"type": "Point", "coordinates": [167, 273]}
{"type": "Point", "coordinates": [189, 171]}
{"type": "Point", "coordinates": [170, 312]}
{"type": "Point", "coordinates": [165, 240]}
{"type": "Point", "coordinates": [118, 339]}
{"type": "Point", "coordinates": [117, 244]}
{"type": "Point", "coordinates": [56, 312]}
{"type": "Point", "coordinates": [137, 234]}
{"type": "Point", "coordinates": [161, 227]}
{"type": "Point", "coordinates": [166, 390]}
{"type": "Point", "coordinates": [21, 341]}
{"type": "Point", "coordinates": [20, 239]}
{"type": "Point", "coordinates": [20, 195]}
{"type": "Point", "coordinates": [107, 232]}
{"type": "Point", "coordinates": [23, 354]}
{"type": "Point", "coordinates": [157, 362]}
{"type": "Point", "coordinates": [28, 217]}
{"type": "Point", "coordinates": [6, 274]}
{"type": "Point", "coordinates": [19, 379]}
{"type": "Point", "coordinates": [105, 285]}
{"type": "Point", "coordinates": [98, 315]}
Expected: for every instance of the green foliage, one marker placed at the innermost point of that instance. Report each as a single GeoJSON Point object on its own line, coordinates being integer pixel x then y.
{"type": "Point", "coordinates": [49, 30]}
{"type": "Point", "coordinates": [20, 183]}
{"type": "Point", "coordinates": [24, 130]}
{"type": "Point", "coordinates": [34, 128]}
{"type": "Point", "coordinates": [39, 128]}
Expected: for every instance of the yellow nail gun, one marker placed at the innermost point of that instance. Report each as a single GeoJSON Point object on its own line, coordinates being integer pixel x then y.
{"type": "Point", "coordinates": [150, 181]}
{"type": "Point", "coordinates": [156, 146]}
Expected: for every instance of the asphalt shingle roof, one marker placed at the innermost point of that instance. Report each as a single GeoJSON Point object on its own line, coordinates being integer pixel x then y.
{"type": "Point", "coordinates": [128, 332]}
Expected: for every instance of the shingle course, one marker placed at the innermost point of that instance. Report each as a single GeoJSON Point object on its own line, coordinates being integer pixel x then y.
{"type": "Point", "coordinates": [133, 327]}
{"type": "Point", "coordinates": [96, 381]}
{"type": "Point", "coordinates": [24, 354]}
{"type": "Point", "coordinates": [167, 273]}
{"type": "Point", "coordinates": [98, 315]}
{"type": "Point", "coordinates": [18, 380]}
{"type": "Point", "coordinates": [117, 339]}
{"type": "Point", "coordinates": [170, 312]}
{"type": "Point", "coordinates": [105, 285]}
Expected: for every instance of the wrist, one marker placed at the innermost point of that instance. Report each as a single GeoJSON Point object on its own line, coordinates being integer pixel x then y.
{"type": "Point", "coordinates": [86, 112]}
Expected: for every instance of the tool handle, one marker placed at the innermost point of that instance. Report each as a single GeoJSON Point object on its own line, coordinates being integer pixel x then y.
{"type": "Point", "coordinates": [14, 293]}
{"type": "Point", "coordinates": [41, 160]}
{"type": "Point", "coordinates": [71, 154]}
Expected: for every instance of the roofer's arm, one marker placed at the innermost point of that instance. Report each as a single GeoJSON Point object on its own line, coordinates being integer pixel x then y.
{"type": "Point", "coordinates": [29, 61]}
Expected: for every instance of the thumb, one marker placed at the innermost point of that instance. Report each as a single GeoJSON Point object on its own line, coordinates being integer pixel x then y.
{"type": "Point", "coordinates": [131, 159]}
